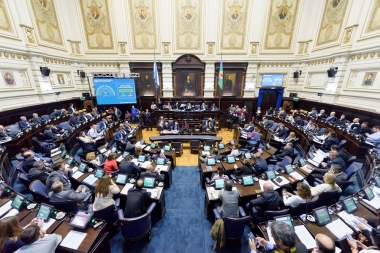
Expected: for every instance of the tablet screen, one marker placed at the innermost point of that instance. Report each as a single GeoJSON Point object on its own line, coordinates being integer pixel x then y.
{"type": "Point", "coordinates": [311, 156]}
{"type": "Point", "coordinates": [18, 201]}
{"type": "Point", "coordinates": [125, 154]}
{"type": "Point", "coordinates": [2, 189]}
{"type": "Point", "coordinates": [121, 179]}
{"type": "Point", "coordinates": [377, 181]}
{"type": "Point", "coordinates": [70, 160]}
{"type": "Point", "coordinates": [248, 180]}
{"type": "Point", "coordinates": [368, 193]}
{"type": "Point", "coordinates": [99, 173]}
{"type": "Point", "coordinates": [206, 148]}
{"type": "Point", "coordinates": [167, 148]}
{"type": "Point", "coordinates": [221, 145]}
{"type": "Point", "coordinates": [270, 175]}
{"type": "Point", "coordinates": [149, 182]}
{"type": "Point", "coordinates": [322, 215]}
{"type": "Point", "coordinates": [289, 169]}
{"type": "Point", "coordinates": [61, 147]}
{"type": "Point", "coordinates": [349, 205]}
{"type": "Point", "coordinates": [81, 219]}
{"type": "Point", "coordinates": [211, 161]}
{"type": "Point", "coordinates": [160, 161]}
{"type": "Point", "coordinates": [113, 150]}
{"type": "Point", "coordinates": [302, 162]}
{"type": "Point", "coordinates": [219, 184]}
{"type": "Point", "coordinates": [82, 167]}
{"type": "Point", "coordinates": [248, 155]}
{"type": "Point", "coordinates": [152, 145]}
{"type": "Point", "coordinates": [231, 159]}
{"type": "Point", "coordinates": [44, 212]}
{"type": "Point", "coordinates": [267, 146]}
{"type": "Point", "coordinates": [286, 219]}
{"type": "Point", "coordinates": [141, 158]}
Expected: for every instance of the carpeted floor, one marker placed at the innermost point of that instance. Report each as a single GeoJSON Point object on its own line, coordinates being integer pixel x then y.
{"type": "Point", "coordinates": [184, 227]}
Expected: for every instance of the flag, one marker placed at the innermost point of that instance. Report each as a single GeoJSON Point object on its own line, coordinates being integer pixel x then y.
{"type": "Point", "coordinates": [220, 77]}
{"type": "Point", "coordinates": [155, 74]}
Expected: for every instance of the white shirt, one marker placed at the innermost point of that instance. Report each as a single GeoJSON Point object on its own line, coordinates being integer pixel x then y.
{"type": "Point", "coordinates": [92, 133]}
{"type": "Point", "coordinates": [374, 138]}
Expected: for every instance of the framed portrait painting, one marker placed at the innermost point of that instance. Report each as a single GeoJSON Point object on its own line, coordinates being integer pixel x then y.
{"type": "Point", "coordinates": [61, 79]}
{"type": "Point", "coordinates": [369, 78]}
{"type": "Point", "coordinates": [188, 83]}
{"type": "Point", "coordinates": [229, 84]}
{"type": "Point", "coordinates": [9, 78]}
{"type": "Point", "coordinates": [147, 87]}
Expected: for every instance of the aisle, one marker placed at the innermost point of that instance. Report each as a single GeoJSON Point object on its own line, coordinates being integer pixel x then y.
{"type": "Point", "coordinates": [184, 227]}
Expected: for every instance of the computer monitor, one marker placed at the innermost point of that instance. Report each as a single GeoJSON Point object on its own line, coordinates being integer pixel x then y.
{"type": "Point", "coordinates": [247, 180]}
{"type": "Point", "coordinates": [310, 155]}
{"type": "Point", "coordinates": [18, 202]}
{"type": "Point", "coordinates": [167, 148]}
{"type": "Point", "coordinates": [121, 179]}
{"type": "Point", "coordinates": [302, 162]}
{"type": "Point", "coordinates": [349, 205]}
{"type": "Point", "coordinates": [377, 181]}
{"type": "Point", "coordinates": [160, 161]}
{"type": "Point", "coordinates": [289, 169]}
{"type": "Point", "coordinates": [83, 167]}
{"type": "Point", "coordinates": [153, 145]}
{"type": "Point", "coordinates": [64, 153]}
{"type": "Point", "coordinates": [286, 219]}
{"type": "Point", "coordinates": [81, 219]}
{"type": "Point", "coordinates": [322, 216]}
{"type": "Point", "coordinates": [267, 146]}
{"type": "Point", "coordinates": [44, 211]}
{"type": "Point", "coordinates": [231, 159]}
{"type": "Point", "coordinates": [70, 160]}
{"type": "Point", "coordinates": [219, 184]}
{"type": "Point", "coordinates": [3, 189]}
{"type": "Point", "coordinates": [62, 147]}
{"type": "Point", "coordinates": [206, 148]}
{"type": "Point", "coordinates": [99, 173]}
{"type": "Point", "coordinates": [106, 145]}
{"type": "Point", "coordinates": [368, 193]}
{"type": "Point", "coordinates": [270, 174]}
{"type": "Point", "coordinates": [149, 182]}
{"type": "Point", "coordinates": [210, 161]}
{"type": "Point", "coordinates": [141, 158]}
{"type": "Point", "coordinates": [221, 145]}
{"type": "Point", "coordinates": [113, 150]}
{"type": "Point", "coordinates": [125, 153]}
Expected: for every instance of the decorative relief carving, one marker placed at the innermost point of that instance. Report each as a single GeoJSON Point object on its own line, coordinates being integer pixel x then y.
{"type": "Point", "coordinates": [374, 23]}
{"type": "Point", "coordinates": [348, 34]}
{"type": "Point", "coordinates": [365, 56]}
{"type": "Point", "coordinates": [332, 21]}
{"type": "Point", "coordinates": [352, 80]}
{"type": "Point", "coordinates": [281, 22]}
{"type": "Point", "coordinates": [77, 47]}
{"type": "Point", "coordinates": [49, 60]}
{"type": "Point", "coordinates": [143, 18]}
{"type": "Point", "coordinates": [166, 47]}
{"type": "Point", "coordinates": [301, 46]}
{"type": "Point", "coordinates": [372, 54]}
{"type": "Point", "coordinates": [210, 47]}
{"type": "Point", "coordinates": [234, 24]}
{"type": "Point", "coordinates": [13, 55]}
{"type": "Point", "coordinates": [254, 46]}
{"type": "Point", "coordinates": [96, 19]}
{"type": "Point", "coordinates": [330, 60]}
{"type": "Point", "coordinates": [97, 64]}
{"type": "Point", "coordinates": [4, 19]}
{"type": "Point", "coordinates": [188, 19]}
{"type": "Point", "coordinates": [46, 21]}
{"type": "Point", "coordinates": [359, 56]}
{"type": "Point", "coordinates": [274, 65]}
{"type": "Point", "coordinates": [122, 47]}
{"type": "Point", "coordinates": [29, 32]}
{"type": "Point", "coordinates": [72, 44]}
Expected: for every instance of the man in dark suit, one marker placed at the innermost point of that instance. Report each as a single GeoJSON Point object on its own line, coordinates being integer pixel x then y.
{"type": "Point", "coordinates": [281, 132]}
{"type": "Point", "coordinates": [37, 120]}
{"type": "Point", "coordinates": [117, 113]}
{"type": "Point", "coordinates": [57, 129]}
{"type": "Point", "coordinates": [334, 159]}
{"type": "Point", "coordinates": [74, 121]}
{"type": "Point", "coordinates": [249, 128]}
{"type": "Point", "coordinates": [321, 115]}
{"type": "Point", "coordinates": [230, 199]}
{"type": "Point", "coordinates": [261, 165]}
{"type": "Point", "coordinates": [313, 113]}
{"type": "Point", "coordinates": [341, 122]}
{"type": "Point", "coordinates": [49, 135]}
{"type": "Point", "coordinates": [340, 152]}
{"type": "Point", "coordinates": [150, 172]}
{"type": "Point", "coordinates": [127, 127]}
{"type": "Point", "coordinates": [288, 151]}
{"type": "Point", "coordinates": [330, 140]}
{"type": "Point", "coordinates": [299, 122]}
{"type": "Point", "coordinates": [57, 113]}
{"type": "Point", "coordinates": [213, 107]}
{"type": "Point", "coordinates": [82, 118]}
{"type": "Point", "coordinates": [166, 126]}
{"type": "Point", "coordinates": [58, 194]}
{"type": "Point", "coordinates": [24, 124]}
{"type": "Point", "coordinates": [129, 168]}
{"type": "Point", "coordinates": [59, 173]}
{"type": "Point", "coordinates": [176, 127]}
{"type": "Point", "coordinates": [38, 172]}
{"type": "Point", "coordinates": [135, 205]}
{"type": "Point", "coordinates": [103, 124]}
{"type": "Point", "coordinates": [364, 130]}
{"type": "Point", "coordinates": [71, 109]}
{"type": "Point", "coordinates": [331, 119]}
{"type": "Point", "coordinates": [229, 84]}
{"type": "Point", "coordinates": [148, 119]}
{"type": "Point", "coordinates": [203, 107]}
{"type": "Point", "coordinates": [268, 201]}
{"type": "Point", "coordinates": [3, 133]}
{"type": "Point", "coordinates": [28, 162]}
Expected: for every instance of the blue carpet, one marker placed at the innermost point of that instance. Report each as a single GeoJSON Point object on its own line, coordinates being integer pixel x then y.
{"type": "Point", "coordinates": [184, 227]}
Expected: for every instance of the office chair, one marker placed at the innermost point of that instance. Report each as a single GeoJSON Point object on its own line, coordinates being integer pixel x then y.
{"type": "Point", "coordinates": [350, 161]}
{"type": "Point", "coordinates": [66, 125]}
{"type": "Point", "coordinates": [85, 146]}
{"type": "Point", "coordinates": [38, 190]}
{"type": "Point", "coordinates": [273, 127]}
{"type": "Point", "coordinates": [321, 131]}
{"type": "Point", "coordinates": [351, 171]}
{"type": "Point", "coordinates": [341, 143]}
{"type": "Point", "coordinates": [255, 140]}
{"type": "Point", "coordinates": [303, 207]}
{"type": "Point", "coordinates": [178, 147]}
{"type": "Point", "coordinates": [69, 206]}
{"type": "Point", "coordinates": [24, 180]}
{"type": "Point", "coordinates": [344, 184]}
{"type": "Point", "coordinates": [195, 145]}
{"type": "Point", "coordinates": [42, 147]}
{"type": "Point", "coordinates": [19, 168]}
{"type": "Point", "coordinates": [210, 143]}
{"type": "Point", "coordinates": [268, 215]}
{"type": "Point", "coordinates": [280, 165]}
{"type": "Point", "coordinates": [46, 118]}
{"type": "Point", "coordinates": [136, 228]}
{"type": "Point", "coordinates": [108, 214]}
{"type": "Point", "coordinates": [327, 198]}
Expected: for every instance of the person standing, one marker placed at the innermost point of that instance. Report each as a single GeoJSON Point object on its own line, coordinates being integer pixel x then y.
{"type": "Point", "coordinates": [134, 114]}
{"type": "Point", "coordinates": [148, 120]}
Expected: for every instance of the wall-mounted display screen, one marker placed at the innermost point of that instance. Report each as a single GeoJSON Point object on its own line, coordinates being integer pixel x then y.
{"type": "Point", "coordinates": [115, 91]}
{"type": "Point", "coordinates": [272, 80]}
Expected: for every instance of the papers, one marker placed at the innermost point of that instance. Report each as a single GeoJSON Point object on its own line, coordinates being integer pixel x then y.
{"type": "Point", "coordinates": [107, 153]}
{"type": "Point", "coordinates": [55, 153]}
{"type": "Point", "coordinates": [369, 143]}
{"type": "Point", "coordinates": [153, 193]}
{"type": "Point", "coordinates": [126, 188]}
{"type": "Point", "coordinates": [280, 180]}
{"type": "Point", "coordinates": [262, 182]}
{"type": "Point", "coordinates": [54, 150]}
{"type": "Point", "coordinates": [278, 139]}
{"type": "Point", "coordinates": [147, 148]}
{"type": "Point", "coordinates": [270, 236]}
{"type": "Point", "coordinates": [90, 180]}
{"type": "Point", "coordinates": [339, 228]}
{"type": "Point", "coordinates": [135, 161]}
{"type": "Point", "coordinates": [102, 150]}
{"type": "Point", "coordinates": [74, 169]}
{"type": "Point", "coordinates": [316, 164]}
{"type": "Point", "coordinates": [317, 141]}
{"type": "Point", "coordinates": [296, 175]}
{"type": "Point", "coordinates": [77, 174]}
{"type": "Point", "coordinates": [306, 168]}
{"type": "Point", "coordinates": [353, 220]}
{"type": "Point", "coordinates": [305, 237]}
{"type": "Point", "coordinates": [205, 153]}
{"type": "Point", "coordinates": [73, 239]}
{"type": "Point", "coordinates": [145, 164]}
{"type": "Point", "coordinates": [376, 189]}
{"type": "Point", "coordinates": [119, 159]}
{"type": "Point", "coordinates": [320, 152]}
{"type": "Point", "coordinates": [5, 208]}
{"type": "Point", "coordinates": [162, 168]}
{"type": "Point", "coordinates": [47, 225]}
{"type": "Point", "coordinates": [12, 212]}
{"type": "Point", "coordinates": [375, 203]}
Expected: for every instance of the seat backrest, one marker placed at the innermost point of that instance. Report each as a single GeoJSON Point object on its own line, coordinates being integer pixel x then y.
{"type": "Point", "coordinates": [107, 214]}
{"type": "Point", "coordinates": [14, 128]}
{"type": "Point", "coordinates": [195, 143]}
{"type": "Point", "coordinates": [321, 131]}
{"type": "Point", "coordinates": [286, 161]}
{"type": "Point", "coordinates": [274, 126]}
{"type": "Point", "coordinates": [37, 145]}
{"type": "Point", "coordinates": [24, 180]}
{"type": "Point", "coordinates": [256, 136]}
{"type": "Point", "coordinates": [268, 215]}
{"type": "Point", "coordinates": [351, 160]}
{"type": "Point", "coordinates": [65, 206]}
{"type": "Point", "coordinates": [341, 143]}
{"type": "Point", "coordinates": [303, 207]}
{"type": "Point", "coordinates": [162, 144]}
{"type": "Point", "coordinates": [327, 198]}
{"type": "Point", "coordinates": [46, 117]}
{"type": "Point", "coordinates": [177, 145]}
{"type": "Point", "coordinates": [19, 167]}
{"type": "Point", "coordinates": [38, 190]}
{"type": "Point", "coordinates": [344, 184]}
{"type": "Point", "coordinates": [305, 122]}
{"type": "Point", "coordinates": [234, 227]}
{"type": "Point", "coordinates": [210, 143]}
{"type": "Point", "coordinates": [351, 170]}
{"type": "Point", "coordinates": [65, 125]}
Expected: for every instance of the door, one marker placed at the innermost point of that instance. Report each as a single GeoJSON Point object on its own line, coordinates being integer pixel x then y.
{"type": "Point", "coordinates": [269, 100]}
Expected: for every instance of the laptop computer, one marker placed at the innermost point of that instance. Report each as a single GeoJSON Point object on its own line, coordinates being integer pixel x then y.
{"type": "Point", "coordinates": [322, 216]}
{"type": "Point", "coordinates": [231, 159]}
{"type": "Point", "coordinates": [349, 205]}
{"type": "Point", "coordinates": [121, 179]}
{"type": "Point", "coordinates": [149, 182]}
{"type": "Point", "coordinates": [210, 161]}
{"type": "Point", "coordinates": [248, 180]}
{"type": "Point", "coordinates": [219, 184]}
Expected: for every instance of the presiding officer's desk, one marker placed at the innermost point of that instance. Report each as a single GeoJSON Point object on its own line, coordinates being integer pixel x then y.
{"type": "Point", "coordinates": [191, 132]}
{"type": "Point", "coordinates": [171, 138]}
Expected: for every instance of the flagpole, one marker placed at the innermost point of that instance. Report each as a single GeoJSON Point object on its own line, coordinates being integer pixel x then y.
{"type": "Point", "coordinates": [154, 54]}
{"type": "Point", "coordinates": [220, 92]}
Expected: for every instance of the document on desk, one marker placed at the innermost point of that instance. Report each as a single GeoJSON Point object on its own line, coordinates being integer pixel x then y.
{"type": "Point", "coordinates": [55, 153]}
{"type": "Point", "coordinates": [317, 141]}
{"type": "Point", "coordinates": [320, 152]}
{"type": "Point", "coordinates": [90, 180]}
{"type": "Point", "coordinates": [54, 150]}
{"type": "Point", "coordinates": [296, 175]}
{"type": "Point", "coordinates": [262, 182]}
{"type": "Point", "coordinates": [47, 225]}
{"type": "Point", "coordinates": [352, 220]}
{"type": "Point", "coordinates": [103, 150]}
{"type": "Point", "coordinates": [12, 212]}
{"type": "Point", "coordinates": [73, 239]}
{"type": "Point", "coordinates": [278, 139]}
{"type": "Point", "coordinates": [339, 228]}
{"type": "Point", "coordinates": [375, 202]}
{"type": "Point", "coordinates": [77, 174]}
{"type": "Point", "coordinates": [5, 208]}
{"type": "Point", "coordinates": [316, 164]}
{"type": "Point", "coordinates": [376, 189]}
{"type": "Point", "coordinates": [73, 170]}
{"type": "Point", "coordinates": [153, 193]}
{"type": "Point", "coordinates": [135, 161]}
{"type": "Point", "coordinates": [119, 159]}
{"type": "Point", "coordinates": [162, 168]}
{"type": "Point", "coordinates": [369, 143]}
{"type": "Point", "coordinates": [306, 168]}
{"type": "Point", "coordinates": [126, 188]}
{"type": "Point", "coordinates": [145, 164]}
{"type": "Point", "coordinates": [147, 148]}
{"type": "Point", "coordinates": [305, 237]}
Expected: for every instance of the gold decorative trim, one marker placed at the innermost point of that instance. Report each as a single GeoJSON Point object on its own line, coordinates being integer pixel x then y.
{"type": "Point", "coordinates": [283, 64]}
{"type": "Point", "coordinates": [166, 47]}
{"type": "Point", "coordinates": [348, 33]}
{"type": "Point", "coordinates": [62, 62]}
{"type": "Point", "coordinates": [122, 46]}
{"type": "Point", "coordinates": [13, 55]}
{"type": "Point", "coordinates": [101, 64]}
{"type": "Point", "coordinates": [372, 54]}
{"type": "Point", "coordinates": [323, 61]}
{"type": "Point", "coordinates": [29, 32]}
{"type": "Point", "coordinates": [254, 47]}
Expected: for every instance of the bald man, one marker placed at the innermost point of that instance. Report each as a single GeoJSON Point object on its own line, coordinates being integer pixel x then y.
{"type": "Point", "coordinates": [268, 201]}
{"type": "Point", "coordinates": [136, 200]}
{"type": "Point", "coordinates": [324, 244]}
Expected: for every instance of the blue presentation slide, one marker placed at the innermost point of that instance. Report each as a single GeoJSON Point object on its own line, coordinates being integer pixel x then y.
{"type": "Point", "coordinates": [111, 91]}
{"type": "Point", "coordinates": [272, 80]}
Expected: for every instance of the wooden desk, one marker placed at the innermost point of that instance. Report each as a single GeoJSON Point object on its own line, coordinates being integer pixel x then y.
{"type": "Point", "coordinates": [229, 167]}
{"type": "Point", "coordinates": [27, 219]}
{"type": "Point", "coordinates": [171, 155]}
{"type": "Point", "coordinates": [96, 240]}
{"type": "Point", "coordinates": [206, 173]}
{"type": "Point", "coordinates": [185, 138]}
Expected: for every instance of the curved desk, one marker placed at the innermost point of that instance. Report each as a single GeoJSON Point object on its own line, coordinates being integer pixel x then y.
{"type": "Point", "coordinates": [185, 138]}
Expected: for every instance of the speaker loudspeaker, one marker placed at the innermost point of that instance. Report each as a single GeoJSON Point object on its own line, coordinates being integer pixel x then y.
{"type": "Point", "coordinates": [83, 74]}
{"type": "Point", "coordinates": [45, 71]}
{"type": "Point", "coordinates": [295, 74]}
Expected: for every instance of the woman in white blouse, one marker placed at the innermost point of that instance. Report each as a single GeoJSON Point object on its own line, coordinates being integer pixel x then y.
{"type": "Point", "coordinates": [104, 192]}
{"type": "Point", "coordinates": [304, 194]}
{"type": "Point", "coordinates": [329, 183]}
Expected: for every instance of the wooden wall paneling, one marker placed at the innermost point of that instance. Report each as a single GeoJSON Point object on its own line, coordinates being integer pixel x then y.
{"type": "Point", "coordinates": [146, 69]}
{"type": "Point", "coordinates": [237, 71]}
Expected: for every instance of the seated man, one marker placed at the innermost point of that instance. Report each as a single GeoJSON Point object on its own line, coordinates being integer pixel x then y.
{"type": "Point", "coordinates": [28, 162]}
{"type": "Point", "coordinates": [331, 119]}
{"type": "Point", "coordinates": [288, 151]}
{"type": "Point", "coordinates": [210, 124]}
{"type": "Point", "coordinates": [248, 128]}
{"type": "Point", "coordinates": [150, 172]}
{"type": "Point", "coordinates": [38, 172]}
{"type": "Point", "coordinates": [135, 205]}
{"type": "Point", "coordinates": [235, 151]}
{"type": "Point", "coordinates": [365, 129]}
{"type": "Point", "coordinates": [56, 114]}
{"type": "Point", "coordinates": [284, 238]}
{"type": "Point", "coordinates": [340, 152]}
{"type": "Point", "coordinates": [59, 173]}
{"type": "Point", "coordinates": [330, 140]}
{"type": "Point", "coordinates": [261, 165]}
{"type": "Point", "coordinates": [36, 240]}
{"type": "Point", "coordinates": [37, 120]}
{"type": "Point", "coordinates": [24, 124]}
{"type": "Point", "coordinates": [56, 129]}
{"type": "Point", "coordinates": [129, 168]}
{"type": "Point", "coordinates": [268, 201]}
{"type": "Point", "coordinates": [93, 133]}
{"type": "Point", "coordinates": [88, 142]}
{"type": "Point", "coordinates": [341, 122]}
{"type": "Point", "coordinates": [127, 127]}
{"type": "Point", "coordinates": [333, 158]}
{"type": "Point", "coordinates": [319, 173]}
{"type": "Point", "coordinates": [245, 170]}
{"type": "Point", "coordinates": [213, 107]}
{"type": "Point", "coordinates": [74, 121]}
{"type": "Point", "coordinates": [4, 133]}
{"type": "Point", "coordinates": [167, 126]}
{"type": "Point", "coordinates": [281, 131]}
{"type": "Point", "coordinates": [58, 194]}
{"type": "Point", "coordinates": [36, 156]}
{"type": "Point", "coordinates": [176, 127]}
{"type": "Point", "coordinates": [82, 118]}
{"type": "Point", "coordinates": [299, 122]}
{"type": "Point", "coordinates": [324, 244]}
{"type": "Point", "coordinates": [48, 133]}
{"type": "Point", "coordinates": [230, 199]}
{"type": "Point", "coordinates": [103, 124]}
{"type": "Point", "coordinates": [375, 137]}
{"type": "Point", "coordinates": [95, 113]}
{"type": "Point", "coordinates": [321, 115]}
{"type": "Point", "coordinates": [267, 123]}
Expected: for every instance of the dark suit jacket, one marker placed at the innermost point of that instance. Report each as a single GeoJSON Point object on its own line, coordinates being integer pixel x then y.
{"type": "Point", "coordinates": [328, 142]}
{"type": "Point", "coordinates": [343, 155]}
{"type": "Point", "coordinates": [321, 116]}
{"type": "Point", "coordinates": [55, 114]}
{"type": "Point", "coordinates": [286, 152]}
{"type": "Point", "coordinates": [24, 125]}
{"type": "Point", "coordinates": [261, 166]}
{"type": "Point", "coordinates": [268, 201]}
{"type": "Point", "coordinates": [36, 174]}
{"type": "Point", "coordinates": [57, 176]}
{"type": "Point", "coordinates": [3, 135]}
{"type": "Point", "coordinates": [282, 133]}
{"type": "Point", "coordinates": [129, 168]}
{"type": "Point", "coordinates": [74, 120]}
{"type": "Point", "coordinates": [245, 170]}
{"type": "Point", "coordinates": [50, 135]}
{"type": "Point", "coordinates": [365, 130]}
{"type": "Point", "coordinates": [341, 122]}
{"type": "Point", "coordinates": [103, 125]}
{"type": "Point", "coordinates": [37, 121]}
{"type": "Point", "coordinates": [299, 122]}
{"type": "Point", "coordinates": [135, 205]}
{"type": "Point", "coordinates": [331, 119]}
{"type": "Point", "coordinates": [70, 110]}
{"type": "Point", "coordinates": [82, 120]}
{"type": "Point", "coordinates": [176, 128]}
{"type": "Point", "coordinates": [158, 177]}
{"type": "Point", "coordinates": [27, 164]}
{"type": "Point", "coordinates": [338, 160]}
